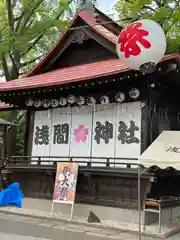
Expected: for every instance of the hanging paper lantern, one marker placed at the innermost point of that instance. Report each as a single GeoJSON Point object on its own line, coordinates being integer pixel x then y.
{"type": "Point", "coordinates": [37, 103]}
{"type": "Point", "coordinates": [91, 101]}
{"type": "Point", "coordinates": [29, 102]}
{"type": "Point", "coordinates": [80, 101]}
{"type": "Point", "coordinates": [71, 99]}
{"type": "Point", "coordinates": [120, 97]}
{"type": "Point", "coordinates": [46, 103]}
{"type": "Point", "coordinates": [141, 45]}
{"type": "Point", "coordinates": [104, 100]}
{"type": "Point", "coordinates": [62, 101]}
{"type": "Point", "coordinates": [54, 102]}
{"type": "Point", "coordinates": [134, 93]}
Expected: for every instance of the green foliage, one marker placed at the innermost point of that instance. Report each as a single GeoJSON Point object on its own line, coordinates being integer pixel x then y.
{"type": "Point", "coordinates": [4, 115]}
{"type": "Point", "coordinates": [20, 131]}
{"type": "Point", "coordinates": [23, 29]}
{"type": "Point", "coordinates": [165, 12]}
{"type": "Point", "coordinates": [28, 30]}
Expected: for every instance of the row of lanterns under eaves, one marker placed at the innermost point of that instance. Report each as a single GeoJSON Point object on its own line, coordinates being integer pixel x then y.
{"type": "Point", "coordinates": [141, 45]}
{"type": "Point", "coordinates": [80, 100]}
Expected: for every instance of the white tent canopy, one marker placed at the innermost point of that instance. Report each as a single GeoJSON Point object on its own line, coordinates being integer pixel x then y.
{"type": "Point", "coordinates": [163, 152]}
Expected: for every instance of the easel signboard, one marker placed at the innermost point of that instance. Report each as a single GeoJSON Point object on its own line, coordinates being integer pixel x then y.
{"type": "Point", "coordinates": [65, 185]}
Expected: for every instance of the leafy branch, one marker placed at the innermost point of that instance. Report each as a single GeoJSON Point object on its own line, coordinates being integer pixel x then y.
{"type": "Point", "coordinates": [165, 12]}
{"type": "Point", "coordinates": [26, 15]}
{"type": "Point", "coordinates": [24, 26]}
{"type": "Point", "coordinates": [30, 61]}
{"type": "Point", "coordinates": [37, 39]}
{"type": "Point", "coordinates": [10, 17]}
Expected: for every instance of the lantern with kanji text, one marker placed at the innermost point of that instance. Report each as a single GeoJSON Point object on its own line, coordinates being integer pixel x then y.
{"type": "Point", "coordinates": [141, 45]}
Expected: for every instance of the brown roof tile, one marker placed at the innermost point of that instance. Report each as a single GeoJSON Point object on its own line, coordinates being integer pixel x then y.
{"type": "Point", "coordinates": [66, 75]}
{"type": "Point", "coordinates": [72, 74]}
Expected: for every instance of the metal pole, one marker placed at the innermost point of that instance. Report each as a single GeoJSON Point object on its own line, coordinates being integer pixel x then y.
{"type": "Point", "coordinates": [139, 199]}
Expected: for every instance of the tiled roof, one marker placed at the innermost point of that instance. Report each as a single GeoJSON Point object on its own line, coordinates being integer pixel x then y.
{"type": "Point", "coordinates": [4, 107]}
{"type": "Point", "coordinates": [66, 75]}
{"type": "Point", "coordinates": [90, 20]}
{"type": "Point", "coordinates": [71, 74]}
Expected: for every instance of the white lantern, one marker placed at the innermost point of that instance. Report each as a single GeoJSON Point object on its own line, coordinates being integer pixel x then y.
{"type": "Point", "coordinates": [80, 101]}
{"type": "Point", "coordinates": [37, 103]}
{"type": "Point", "coordinates": [62, 101]}
{"type": "Point", "coordinates": [91, 101]}
{"type": "Point", "coordinates": [71, 99]}
{"type": "Point", "coordinates": [134, 93]}
{"type": "Point", "coordinates": [54, 102]}
{"type": "Point", "coordinates": [104, 100]}
{"type": "Point", "coordinates": [29, 102]}
{"type": "Point", "coordinates": [46, 103]}
{"type": "Point", "coordinates": [141, 45]}
{"type": "Point", "coordinates": [119, 97]}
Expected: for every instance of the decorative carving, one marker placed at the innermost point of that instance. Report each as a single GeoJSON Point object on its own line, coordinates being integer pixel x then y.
{"type": "Point", "coordinates": [80, 37]}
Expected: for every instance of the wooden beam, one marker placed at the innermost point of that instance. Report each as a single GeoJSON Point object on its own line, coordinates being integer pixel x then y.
{"type": "Point", "coordinates": [102, 41]}
{"type": "Point", "coordinates": [62, 49]}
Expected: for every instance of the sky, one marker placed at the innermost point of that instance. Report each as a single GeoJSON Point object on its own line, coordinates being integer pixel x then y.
{"type": "Point", "coordinates": [106, 5]}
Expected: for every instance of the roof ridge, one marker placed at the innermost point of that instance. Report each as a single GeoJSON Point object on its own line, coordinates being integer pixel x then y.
{"type": "Point", "coordinates": [91, 21]}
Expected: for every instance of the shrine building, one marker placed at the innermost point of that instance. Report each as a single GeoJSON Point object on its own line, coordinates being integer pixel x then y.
{"type": "Point", "coordinates": [84, 105]}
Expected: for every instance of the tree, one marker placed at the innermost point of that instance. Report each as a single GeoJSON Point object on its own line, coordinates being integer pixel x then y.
{"type": "Point", "coordinates": [28, 30]}
{"type": "Point", "coordinates": [165, 12]}
{"type": "Point", "coordinates": [20, 131]}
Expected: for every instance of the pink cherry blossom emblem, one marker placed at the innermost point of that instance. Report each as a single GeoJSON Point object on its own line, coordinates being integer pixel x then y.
{"type": "Point", "coordinates": [81, 133]}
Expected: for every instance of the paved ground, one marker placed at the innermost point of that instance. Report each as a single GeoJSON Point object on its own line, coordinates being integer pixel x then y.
{"type": "Point", "coordinates": [27, 228]}
{"type": "Point", "coordinates": [4, 236]}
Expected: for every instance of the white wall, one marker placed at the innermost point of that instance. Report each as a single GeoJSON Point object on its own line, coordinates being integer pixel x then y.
{"type": "Point", "coordinates": [82, 123]}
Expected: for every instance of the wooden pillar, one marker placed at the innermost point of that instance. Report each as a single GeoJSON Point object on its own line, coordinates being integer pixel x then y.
{"type": "Point", "coordinates": [5, 141]}
{"type": "Point", "coordinates": [144, 128]}
{"type": "Point", "coordinates": [153, 100]}
{"type": "Point", "coordinates": [3, 154]}
{"type": "Point", "coordinates": [26, 134]}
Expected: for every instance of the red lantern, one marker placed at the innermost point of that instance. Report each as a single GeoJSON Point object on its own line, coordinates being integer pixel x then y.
{"type": "Point", "coordinates": [141, 45]}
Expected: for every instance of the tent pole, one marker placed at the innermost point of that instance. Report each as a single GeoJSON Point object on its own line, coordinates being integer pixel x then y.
{"type": "Point", "coordinates": [139, 199]}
